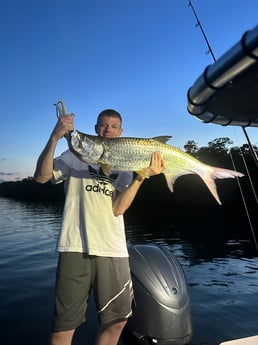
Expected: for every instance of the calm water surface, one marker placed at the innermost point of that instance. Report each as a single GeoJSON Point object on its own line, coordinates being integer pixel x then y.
{"type": "Point", "coordinates": [222, 276]}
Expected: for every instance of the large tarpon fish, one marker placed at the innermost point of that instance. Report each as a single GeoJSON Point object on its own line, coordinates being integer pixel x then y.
{"type": "Point", "coordinates": [134, 154]}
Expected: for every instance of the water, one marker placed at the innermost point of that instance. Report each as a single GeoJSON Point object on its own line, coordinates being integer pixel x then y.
{"type": "Point", "coordinates": [221, 275]}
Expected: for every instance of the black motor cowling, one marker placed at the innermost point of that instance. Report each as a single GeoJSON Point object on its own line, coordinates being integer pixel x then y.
{"type": "Point", "coordinates": [161, 314]}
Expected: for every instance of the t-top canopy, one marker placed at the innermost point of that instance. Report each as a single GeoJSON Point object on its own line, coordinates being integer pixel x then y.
{"type": "Point", "coordinates": [227, 91]}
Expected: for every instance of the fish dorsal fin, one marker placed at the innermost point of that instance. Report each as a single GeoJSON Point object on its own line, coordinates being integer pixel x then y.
{"type": "Point", "coordinates": [162, 138]}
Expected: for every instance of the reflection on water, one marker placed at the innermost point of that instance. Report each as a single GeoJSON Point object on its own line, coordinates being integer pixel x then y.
{"type": "Point", "coordinates": [27, 266]}
{"type": "Point", "coordinates": [221, 274]}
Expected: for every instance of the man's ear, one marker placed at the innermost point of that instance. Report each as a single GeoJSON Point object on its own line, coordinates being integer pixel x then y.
{"type": "Point", "coordinates": [96, 129]}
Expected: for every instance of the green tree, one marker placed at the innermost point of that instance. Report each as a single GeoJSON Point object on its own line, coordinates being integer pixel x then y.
{"type": "Point", "coordinates": [217, 152]}
{"type": "Point", "coordinates": [191, 147]}
{"type": "Point", "coordinates": [220, 145]}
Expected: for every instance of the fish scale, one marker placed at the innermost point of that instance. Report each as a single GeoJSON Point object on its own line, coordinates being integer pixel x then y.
{"type": "Point", "coordinates": [130, 154]}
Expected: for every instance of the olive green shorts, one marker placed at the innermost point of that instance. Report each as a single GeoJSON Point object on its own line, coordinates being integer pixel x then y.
{"type": "Point", "coordinates": [110, 280]}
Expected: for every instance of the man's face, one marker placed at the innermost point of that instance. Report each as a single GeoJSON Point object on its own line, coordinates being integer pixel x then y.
{"type": "Point", "coordinates": [109, 127]}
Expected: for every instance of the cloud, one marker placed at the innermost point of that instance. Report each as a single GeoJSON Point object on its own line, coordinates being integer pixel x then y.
{"type": "Point", "coordinates": [2, 159]}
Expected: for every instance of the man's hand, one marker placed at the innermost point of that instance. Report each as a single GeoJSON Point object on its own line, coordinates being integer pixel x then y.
{"type": "Point", "coordinates": [64, 126]}
{"type": "Point", "coordinates": [156, 167]}
{"type": "Point", "coordinates": [123, 200]}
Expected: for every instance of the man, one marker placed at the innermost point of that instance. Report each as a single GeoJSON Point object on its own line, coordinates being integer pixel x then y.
{"type": "Point", "coordinates": [92, 244]}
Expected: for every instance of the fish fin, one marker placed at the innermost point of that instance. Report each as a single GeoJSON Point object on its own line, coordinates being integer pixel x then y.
{"type": "Point", "coordinates": [171, 179]}
{"type": "Point", "coordinates": [106, 168]}
{"type": "Point", "coordinates": [218, 173]}
{"type": "Point", "coordinates": [221, 173]}
{"type": "Point", "coordinates": [210, 183]}
{"type": "Point", "coordinates": [207, 178]}
{"type": "Point", "coordinates": [162, 138]}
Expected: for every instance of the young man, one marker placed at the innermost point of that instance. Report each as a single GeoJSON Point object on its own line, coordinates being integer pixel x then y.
{"type": "Point", "coordinates": [92, 244]}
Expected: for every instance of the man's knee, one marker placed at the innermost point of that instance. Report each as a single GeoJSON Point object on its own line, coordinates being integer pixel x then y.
{"type": "Point", "coordinates": [62, 338]}
{"type": "Point", "coordinates": [115, 327]}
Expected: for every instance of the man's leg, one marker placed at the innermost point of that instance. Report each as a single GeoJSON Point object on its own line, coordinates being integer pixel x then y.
{"type": "Point", "coordinates": [62, 338]}
{"type": "Point", "coordinates": [73, 281]}
{"type": "Point", "coordinates": [113, 295]}
{"type": "Point", "coordinates": [110, 334]}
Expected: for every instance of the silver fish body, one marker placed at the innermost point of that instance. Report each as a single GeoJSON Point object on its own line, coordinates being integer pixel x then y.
{"type": "Point", "coordinates": [134, 154]}
{"type": "Point", "coordinates": [122, 154]}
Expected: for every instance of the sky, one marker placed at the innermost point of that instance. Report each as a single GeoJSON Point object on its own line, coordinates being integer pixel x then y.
{"type": "Point", "coordinates": [139, 57]}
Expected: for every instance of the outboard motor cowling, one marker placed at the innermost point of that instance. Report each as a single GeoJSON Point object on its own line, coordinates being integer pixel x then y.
{"type": "Point", "coordinates": [162, 304]}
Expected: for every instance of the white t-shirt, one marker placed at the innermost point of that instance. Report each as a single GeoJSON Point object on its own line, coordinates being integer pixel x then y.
{"type": "Point", "coordinates": [89, 225]}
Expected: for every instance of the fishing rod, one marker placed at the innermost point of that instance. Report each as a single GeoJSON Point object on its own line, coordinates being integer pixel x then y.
{"type": "Point", "coordinates": [210, 51]}
{"type": "Point", "coordinates": [244, 202]}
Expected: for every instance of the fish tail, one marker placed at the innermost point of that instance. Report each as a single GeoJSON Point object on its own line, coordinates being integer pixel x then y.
{"type": "Point", "coordinates": [214, 173]}
{"type": "Point", "coordinates": [210, 183]}
{"type": "Point", "coordinates": [207, 178]}
{"type": "Point", "coordinates": [208, 175]}
{"type": "Point", "coordinates": [219, 173]}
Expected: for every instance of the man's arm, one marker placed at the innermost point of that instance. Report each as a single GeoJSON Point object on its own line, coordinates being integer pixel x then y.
{"type": "Point", "coordinates": [124, 199]}
{"type": "Point", "coordinates": [44, 167]}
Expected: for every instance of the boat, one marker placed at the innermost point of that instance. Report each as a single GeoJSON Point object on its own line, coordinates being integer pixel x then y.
{"type": "Point", "coordinates": [226, 94]}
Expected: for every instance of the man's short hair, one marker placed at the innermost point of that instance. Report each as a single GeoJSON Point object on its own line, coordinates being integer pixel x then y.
{"type": "Point", "coordinates": [110, 113]}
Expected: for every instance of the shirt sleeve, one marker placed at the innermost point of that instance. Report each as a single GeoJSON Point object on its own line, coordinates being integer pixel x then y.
{"type": "Point", "coordinates": [125, 179]}
{"type": "Point", "coordinates": [62, 165]}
